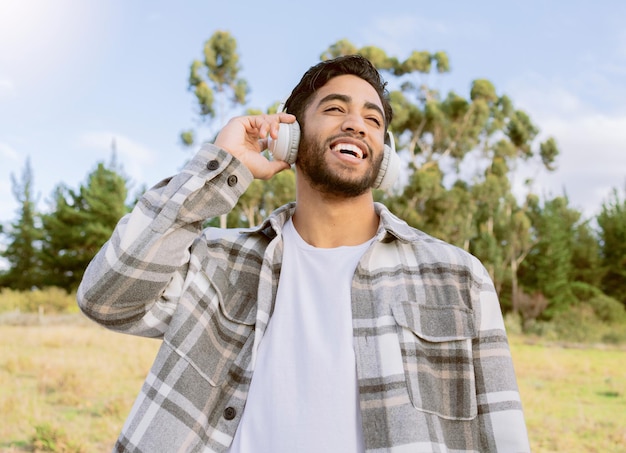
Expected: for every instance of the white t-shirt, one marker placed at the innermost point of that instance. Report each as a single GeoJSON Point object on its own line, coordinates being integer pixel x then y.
{"type": "Point", "coordinates": [303, 395]}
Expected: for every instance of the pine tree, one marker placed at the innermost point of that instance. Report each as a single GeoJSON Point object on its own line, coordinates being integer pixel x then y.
{"type": "Point", "coordinates": [548, 268]}
{"type": "Point", "coordinates": [80, 223]}
{"type": "Point", "coordinates": [612, 222]}
{"type": "Point", "coordinates": [24, 236]}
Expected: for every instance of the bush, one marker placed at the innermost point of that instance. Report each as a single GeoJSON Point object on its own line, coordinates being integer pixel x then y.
{"type": "Point", "coordinates": [513, 323]}
{"type": "Point", "coordinates": [600, 320]}
{"type": "Point", "coordinates": [50, 300]}
{"type": "Point", "coordinates": [584, 291]}
{"type": "Point", "coordinates": [607, 309]}
{"type": "Point", "coordinates": [11, 300]}
{"type": "Point", "coordinates": [579, 324]}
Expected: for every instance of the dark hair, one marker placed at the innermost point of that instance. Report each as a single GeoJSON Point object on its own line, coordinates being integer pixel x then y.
{"type": "Point", "coordinates": [317, 76]}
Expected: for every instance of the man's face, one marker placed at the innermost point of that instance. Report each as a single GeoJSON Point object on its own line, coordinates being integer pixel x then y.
{"type": "Point", "coordinates": [342, 146]}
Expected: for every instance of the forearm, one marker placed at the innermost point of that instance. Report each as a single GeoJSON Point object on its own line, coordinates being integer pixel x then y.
{"type": "Point", "coordinates": [134, 281]}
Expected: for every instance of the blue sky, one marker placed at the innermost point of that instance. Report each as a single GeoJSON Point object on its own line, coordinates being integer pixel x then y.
{"type": "Point", "coordinates": [75, 74]}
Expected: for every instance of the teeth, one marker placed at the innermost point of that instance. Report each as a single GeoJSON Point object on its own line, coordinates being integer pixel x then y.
{"type": "Point", "coordinates": [348, 148]}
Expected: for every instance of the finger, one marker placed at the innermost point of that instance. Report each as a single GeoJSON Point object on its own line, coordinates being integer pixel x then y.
{"type": "Point", "coordinates": [264, 129]}
{"type": "Point", "coordinates": [284, 117]}
{"type": "Point", "coordinates": [265, 124]}
{"type": "Point", "coordinates": [263, 144]}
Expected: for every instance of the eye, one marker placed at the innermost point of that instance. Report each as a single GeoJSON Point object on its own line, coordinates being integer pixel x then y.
{"type": "Point", "coordinates": [375, 120]}
{"type": "Point", "coordinates": [333, 108]}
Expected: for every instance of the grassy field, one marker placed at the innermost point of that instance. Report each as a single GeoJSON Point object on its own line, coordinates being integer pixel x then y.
{"type": "Point", "coordinates": [68, 388]}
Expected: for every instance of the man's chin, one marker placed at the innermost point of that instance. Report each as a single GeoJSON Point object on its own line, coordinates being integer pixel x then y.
{"type": "Point", "coordinates": [342, 188]}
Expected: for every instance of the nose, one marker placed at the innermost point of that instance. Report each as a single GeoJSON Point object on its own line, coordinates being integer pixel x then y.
{"type": "Point", "coordinates": [354, 123]}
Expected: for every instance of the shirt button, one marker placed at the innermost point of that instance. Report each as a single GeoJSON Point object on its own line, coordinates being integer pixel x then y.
{"type": "Point", "coordinates": [212, 165]}
{"type": "Point", "coordinates": [232, 180]}
{"type": "Point", "coordinates": [229, 413]}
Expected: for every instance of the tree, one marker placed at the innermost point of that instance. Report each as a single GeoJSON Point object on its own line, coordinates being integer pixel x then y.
{"type": "Point", "coordinates": [80, 223]}
{"type": "Point", "coordinates": [24, 236]}
{"type": "Point", "coordinates": [217, 73]}
{"type": "Point", "coordinates": [612, 223]}
{"type": "Point", "coordinates": [442, 136]}
{"type": "Point", "coordinates": [586, 256]}
{"type": "Point", "coordinates": [548, 267]}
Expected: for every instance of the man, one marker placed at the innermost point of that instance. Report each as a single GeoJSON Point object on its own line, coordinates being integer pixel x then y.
{"type": "Point", "coordinates": [331, 327]}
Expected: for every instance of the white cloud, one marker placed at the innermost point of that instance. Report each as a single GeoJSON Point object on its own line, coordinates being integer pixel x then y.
{"type": "Point", "coordinates": [134, 156]}
{"type": "Point", "coordinates": [593, 156]}
{"type": "Point", "coordinates": [8, 152]}
{"type": "Point", "coordinates": [546, 100]}
{"type": "Point", "coordinates": [592, 143]}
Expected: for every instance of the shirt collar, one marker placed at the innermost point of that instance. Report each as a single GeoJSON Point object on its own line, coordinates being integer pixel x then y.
{"type": "Point", "coordinates": [389, 228]}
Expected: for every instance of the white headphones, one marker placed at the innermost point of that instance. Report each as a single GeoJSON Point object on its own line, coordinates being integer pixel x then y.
{"type": "Point", "coordinates": [285, 147]}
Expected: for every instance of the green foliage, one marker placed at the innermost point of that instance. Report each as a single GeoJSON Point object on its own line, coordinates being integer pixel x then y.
{"type": "Point", "coordinates": [586, 258]}
{"type": "Point", "coordinates": [442, 63]}
{"type": "Point", "coordinates": [378, 57]}
{"type": "Point", "coordinates": [521, 132]}
{"type": "Point", "coordinates": [341, 47]}
{"type": "Point", "coordinates": [580, 324]}
{"type": "Point", "coordinates": [592, 317]}
{"type": "Point", "coordinates": [612, 223]}
{"type": "Point", "coordinates": [51, 300]}
{"type": "Point", "coordinates": [577, 324]}
{"type": "Point", "coordinates": [216, 79]}
{"type": "Point", "coordinates": [418, 61]}
{"type": "Point", "coordinates": [479, 212]}
{"type": "Point", "coordinates": [261, 198]}
{"type": "Point", "coordinates": [24, 236]}
{"type": "Point", "coordinates": [187, 137]}
{"type": "Point", "coordinates": [484, 90]}
{"type": "Point", "coordinates": [80, 223]}
{"type": "Point", "coordinates": [607, 309]}
{"type": "Point", "coordinates": [548, 151]}
{"type": "Point", "coordinates": [583, 291]}
{"type": "Point", "coordinates": [536, 251]}
{"type": "Point", "coordinates": [548, 266]}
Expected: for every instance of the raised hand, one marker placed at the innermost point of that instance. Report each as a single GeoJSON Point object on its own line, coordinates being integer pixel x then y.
{"type": "Point", "coordinates": [245, 137]}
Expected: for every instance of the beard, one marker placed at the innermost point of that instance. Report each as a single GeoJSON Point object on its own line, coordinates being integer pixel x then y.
{"type": "Point", "coordinates": [311, 162]}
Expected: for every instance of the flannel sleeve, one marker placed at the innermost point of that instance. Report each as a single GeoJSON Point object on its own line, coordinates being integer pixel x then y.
{"type": "Point", "coordinates": [133, 283]}
{"type": "Point", "coordinates": [499, 405]}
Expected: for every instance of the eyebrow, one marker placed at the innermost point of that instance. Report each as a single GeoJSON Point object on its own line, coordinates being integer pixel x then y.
{"type": "Point", "coordinates": [347, 99]}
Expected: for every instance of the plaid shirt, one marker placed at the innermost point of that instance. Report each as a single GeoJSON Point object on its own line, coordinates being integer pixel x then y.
{"type": "Point", "coordinates": [433, 365]}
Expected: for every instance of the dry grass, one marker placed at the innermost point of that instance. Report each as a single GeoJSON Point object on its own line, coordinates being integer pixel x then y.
{"type": "Point", "coordinates": [71, 384]}
{"type": "Point", "coordinates": [68, 388]}
{"type": "Point", "coordinates": [574, 396]}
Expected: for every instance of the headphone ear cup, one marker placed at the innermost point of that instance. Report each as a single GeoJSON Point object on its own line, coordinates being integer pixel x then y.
{"type": "Point", "coordinates": [285, 147]}
{"type": "Point", "coordinates": [389, 167]}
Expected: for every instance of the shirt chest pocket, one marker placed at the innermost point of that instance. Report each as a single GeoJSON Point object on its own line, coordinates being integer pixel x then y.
{"type": "Point", "coordinates": [436, 347]}
{"type": "Point", "coordinates": [214, 332]}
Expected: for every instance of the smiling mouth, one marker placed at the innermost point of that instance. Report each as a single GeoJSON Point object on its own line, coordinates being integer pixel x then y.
{"type": "Point", "coordinates": [348, 148]}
